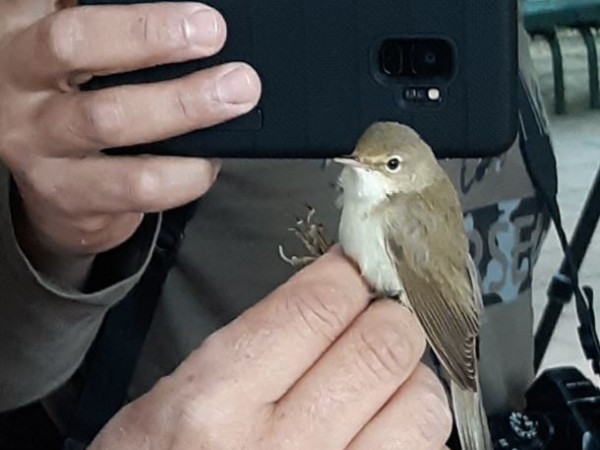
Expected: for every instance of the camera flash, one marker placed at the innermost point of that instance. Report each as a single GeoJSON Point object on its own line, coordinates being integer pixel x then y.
{"type": "Point", "coordinates": [433, 94]}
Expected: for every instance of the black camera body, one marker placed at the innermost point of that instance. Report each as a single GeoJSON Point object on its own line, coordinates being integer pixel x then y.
{"type": "Point", "coordinates": [563, 413]}
{"type": "Point", "coordinates": [331, 68]}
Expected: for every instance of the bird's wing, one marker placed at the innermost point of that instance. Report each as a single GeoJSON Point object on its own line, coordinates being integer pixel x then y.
{"type": "Point", "coordinates": [450, 329]}
{"type": "Point", "coordinates": [438, 283]}
{"type": "Point", "coordinates": [475, 287]}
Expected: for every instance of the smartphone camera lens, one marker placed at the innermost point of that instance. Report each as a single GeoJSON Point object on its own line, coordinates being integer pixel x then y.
{"type": "Point", "coordinates": [391, 58]}
{"type": "Point", "coordinates": [416, 58]}
{"type": "Point", "coordinates": [431, 58]}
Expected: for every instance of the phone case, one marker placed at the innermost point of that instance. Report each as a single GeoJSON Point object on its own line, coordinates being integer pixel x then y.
{"type": "Point", "coordinates": [325, 67]}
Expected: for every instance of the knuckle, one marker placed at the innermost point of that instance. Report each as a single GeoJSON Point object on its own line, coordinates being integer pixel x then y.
{"type": "Point", "coordinates": [194, 406]}
{"type": "Point", "coordinates": [165, 385]}
{"type": "Point", "coordinates": [385, 351]}
{"type": "Point", "coordinates": [143, 186]}
{"type": "Point", "coordinates": [61, 34]}
{"type": "Point", "coordinates": [141, 28]}
{"type": "Point", "coordinates": [102, 119]}
{"type": "Point", "coordinates": [38, 184]}
{"type": "Point", "coordinates": [168, 29]}
{"type": "Point", "coordinates": [193, 411]}
{"type": "Point", "coordinates": [317, 315]}
{"type": "Point", "coordinates": [213, 345]}
{"type": "Point", "coordinates": [221, 347]}
{"type": "Point", "coordinates": [187, 105]}
{"type": "Point", "coordinates": [196, 416]}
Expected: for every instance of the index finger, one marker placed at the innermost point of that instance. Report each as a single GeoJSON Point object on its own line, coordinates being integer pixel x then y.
{"type": "Point", "coordinates": [273, 343]}
{"type": "Point", "coordinates": [109, 39]}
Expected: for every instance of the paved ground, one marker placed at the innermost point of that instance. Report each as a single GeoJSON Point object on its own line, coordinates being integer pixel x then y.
{"type": "Point", "coordinates": [577, 143]}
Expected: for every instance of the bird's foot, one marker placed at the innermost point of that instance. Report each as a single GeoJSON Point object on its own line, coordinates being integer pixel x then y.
{"type": "Point", "coordinates": [313, 236]}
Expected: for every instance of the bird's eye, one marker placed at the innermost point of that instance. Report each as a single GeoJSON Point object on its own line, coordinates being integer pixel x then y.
{"type": "Point", "coordinates": [393, 164]}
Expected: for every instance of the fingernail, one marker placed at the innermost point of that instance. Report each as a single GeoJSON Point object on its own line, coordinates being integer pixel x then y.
{"type": "Point", "coordinates": [235, 87]}
{"type": "Point", "coordinates": [202, 27]}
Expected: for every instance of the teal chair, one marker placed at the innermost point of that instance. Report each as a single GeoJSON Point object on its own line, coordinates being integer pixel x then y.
{"type": "Point", "coordinates": [543, 17]}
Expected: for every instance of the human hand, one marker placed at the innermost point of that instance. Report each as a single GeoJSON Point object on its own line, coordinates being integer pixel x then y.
{"type": "Point", "coordinates": [75, 200]}
{"type": "Point", "coordinates": [312, 366]}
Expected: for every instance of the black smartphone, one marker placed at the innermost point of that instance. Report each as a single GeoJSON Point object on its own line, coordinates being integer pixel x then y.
{"type": "Point", "coordinates": [332, 67]}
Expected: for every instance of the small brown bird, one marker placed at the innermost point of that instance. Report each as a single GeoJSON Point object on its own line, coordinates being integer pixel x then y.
{"type": "Point", "coordinates": [402, 224]}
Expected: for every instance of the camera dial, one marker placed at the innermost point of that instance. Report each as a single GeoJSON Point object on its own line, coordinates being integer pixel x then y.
{"type": "Point", "coordinates": [523, 426]}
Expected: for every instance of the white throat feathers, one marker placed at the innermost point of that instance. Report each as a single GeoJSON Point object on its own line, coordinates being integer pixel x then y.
{"type": "Point", "coordinates": [361, 234]}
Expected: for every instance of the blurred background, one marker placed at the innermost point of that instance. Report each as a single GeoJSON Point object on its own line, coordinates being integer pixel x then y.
{"type": "Point", "coordinates": [576, 138]}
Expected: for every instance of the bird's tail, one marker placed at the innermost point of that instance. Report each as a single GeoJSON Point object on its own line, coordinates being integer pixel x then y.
{"type": "Point", "coordinates": [471, 421]}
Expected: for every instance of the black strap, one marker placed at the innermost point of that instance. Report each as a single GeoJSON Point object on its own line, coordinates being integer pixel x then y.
{"type": "Point", "coordinates": [112, 358]}
{"type": "Point", "coordinates": [539, 159]}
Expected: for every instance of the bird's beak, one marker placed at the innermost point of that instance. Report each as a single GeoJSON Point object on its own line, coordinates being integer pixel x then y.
{"type": "Point", "coordinates": [350, 161]}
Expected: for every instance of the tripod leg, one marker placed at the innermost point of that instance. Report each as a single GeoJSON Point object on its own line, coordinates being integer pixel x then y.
{"type": "Point", "coordinates": [560, 290]}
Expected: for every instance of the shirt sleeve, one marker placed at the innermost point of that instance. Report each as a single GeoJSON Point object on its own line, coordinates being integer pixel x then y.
{"type": "Point", "coordinates": [46, 329]}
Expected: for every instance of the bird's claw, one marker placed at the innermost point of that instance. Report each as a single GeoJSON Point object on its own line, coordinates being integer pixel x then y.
{"type": "Point", "coordinates": [312, 235]}
{"type": "Point", "coordinates": [296, 261]}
